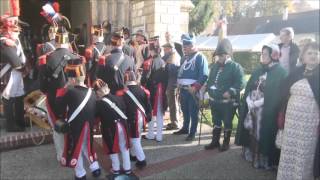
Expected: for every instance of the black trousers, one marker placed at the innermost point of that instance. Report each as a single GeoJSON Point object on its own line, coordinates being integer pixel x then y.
{"type": "Point", "coordinates": [223, 112]}
{"type": "Point", "coordinates": [14, 112]}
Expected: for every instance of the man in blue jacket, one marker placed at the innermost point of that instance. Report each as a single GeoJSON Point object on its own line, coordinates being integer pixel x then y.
{"type": "Point", "coordinates": [192, 74]}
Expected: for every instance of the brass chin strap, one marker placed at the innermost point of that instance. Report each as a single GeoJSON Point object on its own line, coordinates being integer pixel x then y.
{"type": "Point", "coordinates": [62, 38]}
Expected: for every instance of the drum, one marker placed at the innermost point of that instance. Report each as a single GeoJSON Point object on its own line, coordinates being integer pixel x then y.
{"type": "Point", "coordinates": [35, 108]}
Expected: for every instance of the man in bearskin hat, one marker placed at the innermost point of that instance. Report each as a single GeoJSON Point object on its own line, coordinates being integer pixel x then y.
{"type": "Point", "coordinates": [224, 85]}
{"type": "Point", "coordinates": [192, 74]}
{"type": "Point", "coordinates": [76, 114]}
{"type": "Point", "coordinates": [139, 110]}
{"type": "Point", "coordinates": [92, 53]}
{"type": "Point", "coordinates": [12, 68]}
{"type": "Point", "coordinates": [154, 78]}
{"type": "Point", "coordinates": [111, 110]}
{"type": "Point", "coordinates": [111, 68]}
{"type": "Point", "coordinates": [52, 77]}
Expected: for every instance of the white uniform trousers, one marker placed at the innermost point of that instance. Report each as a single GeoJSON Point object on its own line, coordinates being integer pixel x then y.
{"type": "Point", "coordinates": [79, 169]}
{"type": "Point", "coordinates": [136, 147]}
{"type": "Point", "coordinates": [124, 153]}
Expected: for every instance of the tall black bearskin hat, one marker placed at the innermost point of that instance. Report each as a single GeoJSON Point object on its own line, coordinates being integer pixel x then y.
{"type": "Point", "coordinates": [75, 68]}
{"type": "Point", "coordinates": [97, 30]}
{"type": "Point", "coordinates": [62, 36]}
{"type": "Point", "coordinates": [224, 47]}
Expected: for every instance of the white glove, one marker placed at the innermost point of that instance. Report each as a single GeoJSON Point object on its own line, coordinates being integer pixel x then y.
{"type": "Point", "coordinates": [258, 103]}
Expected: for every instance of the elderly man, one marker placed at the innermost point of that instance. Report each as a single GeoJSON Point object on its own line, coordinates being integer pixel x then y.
{"type": "Point", "coordinates": [289, 51]}
{"type": "Point", "coordinates": [172, 60]}
{"type": "Point", "coordinates": [192, 74]}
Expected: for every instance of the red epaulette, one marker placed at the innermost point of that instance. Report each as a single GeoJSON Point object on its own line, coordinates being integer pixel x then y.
{"type": "Point", "coordinates": [146, 91]}
{"type": "Point", "coordinates": [102, 60]}
{"type": "Point", "coordinates": [42, 60]}
{"type": "Point", "coordinates": [120, 92]}
{"type": "Point", "coordinates": [61, 92]}
{"type": "Point", "coordinates": [88, 53]}
{"type": "Point", "coordinates": [38, 49]}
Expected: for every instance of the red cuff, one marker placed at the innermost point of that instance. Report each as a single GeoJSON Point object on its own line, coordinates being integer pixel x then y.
{"type": "Point", "coordinates": [120, 92]}
{"type": "Point", "coordinates": [102, 60]}
{"type": "Point", "coordinates": [61, 92]}
{"type": "Point", "coordinates": [88, 53]}
{"type": "Point", "coordinates": [197, 86]}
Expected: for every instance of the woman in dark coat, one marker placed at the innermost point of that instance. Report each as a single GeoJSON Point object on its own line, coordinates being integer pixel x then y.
{"type": "Point", "coordinates": [259, 109]}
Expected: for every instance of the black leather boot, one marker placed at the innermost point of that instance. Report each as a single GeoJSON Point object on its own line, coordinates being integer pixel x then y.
{"type": "Point", "coordinates": [226, 140]}
{"type": "Point", "coordinates": [215, 139]}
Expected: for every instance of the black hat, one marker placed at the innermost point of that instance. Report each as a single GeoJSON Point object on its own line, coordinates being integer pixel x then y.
{"type": "Point", "coordinates": [224, 47]}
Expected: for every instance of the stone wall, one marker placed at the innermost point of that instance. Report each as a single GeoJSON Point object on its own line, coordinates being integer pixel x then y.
{"type": "Point", "coordinates": [159, 16]}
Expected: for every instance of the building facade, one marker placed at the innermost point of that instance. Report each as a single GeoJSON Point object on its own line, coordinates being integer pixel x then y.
{"type": "Point", "coordinates": [154, 16]}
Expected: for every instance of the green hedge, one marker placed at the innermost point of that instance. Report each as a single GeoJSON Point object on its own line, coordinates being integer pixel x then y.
{"type": "Point", "coordinates": [248, 60]}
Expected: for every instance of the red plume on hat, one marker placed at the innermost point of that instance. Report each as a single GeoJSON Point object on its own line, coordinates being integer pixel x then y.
{"type": "Point", "coordinates": [56, 7]}
{"type": "Point", "coordinates": [15, 5]}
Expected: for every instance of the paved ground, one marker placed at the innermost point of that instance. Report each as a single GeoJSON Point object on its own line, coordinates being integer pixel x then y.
{"type": "Point", "coordinates": [173, 158]}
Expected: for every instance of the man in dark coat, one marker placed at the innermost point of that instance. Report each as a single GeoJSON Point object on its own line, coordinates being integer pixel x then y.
{"type": "Point", "coordinates": [12, 65]}
{"type": "Point", "coordinates": [224, 85]}
{"type": "Point", "coordinates": [138, 111]}
{"type": "Point", "coordinates": [154, 79]}
{"type": "Point", "coordinates": [93, 53]}
{"type": "Point", "coordinates": [77, 107]}
{"type": "Point", "coordinates": [52, 77]}
{"type": "Point", "coordinates": [289, 51]}
{"type": "Point", "coordinates": [111, 111]}
{"type": "Point", "coordinates": [111, 68]}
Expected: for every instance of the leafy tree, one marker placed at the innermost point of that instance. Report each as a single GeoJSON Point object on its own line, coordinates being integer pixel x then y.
{"type": "Point", "coordinates": [201, 15]}
{"type": "Point", "coordinates": [272, 7]}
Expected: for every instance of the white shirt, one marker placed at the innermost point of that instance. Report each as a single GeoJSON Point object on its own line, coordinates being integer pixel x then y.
{"type": "Point", "coordinates": [15, 86]}
{"type": "Point", "coordinates": [285, 57]}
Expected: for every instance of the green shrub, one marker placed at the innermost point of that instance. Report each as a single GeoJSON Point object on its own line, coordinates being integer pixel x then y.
{"type": "Point", "coordinates": [248, 60]}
